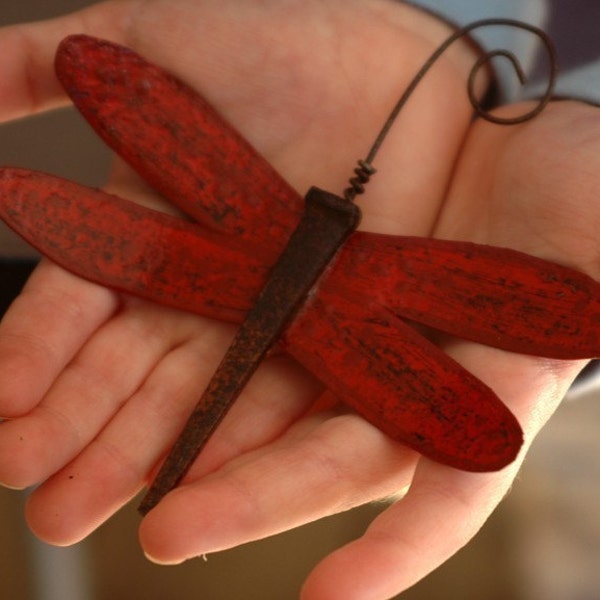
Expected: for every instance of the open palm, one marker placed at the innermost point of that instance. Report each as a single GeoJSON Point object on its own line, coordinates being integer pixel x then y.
{"type": "Point", "coordinates": [97, 385]}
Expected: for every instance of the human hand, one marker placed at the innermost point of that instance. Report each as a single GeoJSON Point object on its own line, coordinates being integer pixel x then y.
{"type": "Point", "coordinates": [92, 431]}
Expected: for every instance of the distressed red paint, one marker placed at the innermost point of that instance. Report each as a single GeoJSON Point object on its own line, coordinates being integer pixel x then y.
{"type": "Point", "coordinates": [354, 331]}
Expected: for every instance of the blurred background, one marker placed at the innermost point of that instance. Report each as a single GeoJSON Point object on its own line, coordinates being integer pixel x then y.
{"type": "Point", "coordinates": [543, 543]}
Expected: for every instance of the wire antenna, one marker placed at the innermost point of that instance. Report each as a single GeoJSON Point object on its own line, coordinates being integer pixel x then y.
{"type": "Point", "coordinates": [365, 168]}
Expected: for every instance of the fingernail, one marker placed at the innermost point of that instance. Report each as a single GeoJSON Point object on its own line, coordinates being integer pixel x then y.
{"type": "Point", "coordinates": [162, 563]}
{"type": "Point", "coordinates": [12, 487]}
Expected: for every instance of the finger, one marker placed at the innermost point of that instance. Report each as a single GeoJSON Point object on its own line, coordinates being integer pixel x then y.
{"type": "Point", "coordinates": [90, 390]}
{"type": "Point", "coordinates": [28, 84]}
{"type": "Point", "coordinates": [443, 509]}
{"type": "Point", "coordinates": [319, 467]}
{"type": "Point", "coordinates": [114, 465]}
{"type": "Point", "coordinates": [117, 462]}
{"type": "Point", "coordinates": [37, 335]}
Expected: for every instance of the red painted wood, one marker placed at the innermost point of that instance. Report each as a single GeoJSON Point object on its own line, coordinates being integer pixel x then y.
{"type": "Point", "coordinates": [129, 248]}
{"type": "Point", "coordinates": [351, 331]}
{"type": "Point", "coordinates": [360, 349]}
{"type": "Point", "coordinates": [406, 386]}
{"type": "Point", "coordinates": [494, 296]}
{"type": "Point", "coordinates": [177, 142]}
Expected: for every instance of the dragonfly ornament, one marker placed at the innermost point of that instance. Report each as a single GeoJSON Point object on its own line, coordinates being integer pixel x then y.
{"type": "Point", "coordinates": [297, 272]}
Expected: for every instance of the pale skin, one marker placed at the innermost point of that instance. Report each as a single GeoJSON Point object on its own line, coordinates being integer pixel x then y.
{"type": "Point", "coordinates": [95, 386]}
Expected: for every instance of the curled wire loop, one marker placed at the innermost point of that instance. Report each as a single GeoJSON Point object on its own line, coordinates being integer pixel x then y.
{"type": "Point", "coordinates": [365, 168]}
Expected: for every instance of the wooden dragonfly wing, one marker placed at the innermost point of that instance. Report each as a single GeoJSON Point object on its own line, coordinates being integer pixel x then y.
{"type": "Point", "coordinates": [129, 248]}
{"type": "Point", "coordinates": [402, 383]}
{"type": "Point", "coordinates": [178, 143]}
{"type": "Point", "coordinates": [494, 296]}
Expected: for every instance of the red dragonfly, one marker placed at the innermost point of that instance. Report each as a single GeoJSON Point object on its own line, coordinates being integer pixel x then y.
{"type": "Point", "coordinates": [354, 330]}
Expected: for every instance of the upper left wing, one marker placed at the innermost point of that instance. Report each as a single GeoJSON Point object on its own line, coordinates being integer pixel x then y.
{"type": "Point", "coordinates": [178, 143]}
